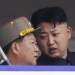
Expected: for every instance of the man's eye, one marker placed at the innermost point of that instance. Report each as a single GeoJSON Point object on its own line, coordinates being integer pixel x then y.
{"type": "Point", "coordinates": [43, 37]}
{"type": "Point", "coordinates": [55, 34]}
{"type": "Point", "coordinates": [32, 42]}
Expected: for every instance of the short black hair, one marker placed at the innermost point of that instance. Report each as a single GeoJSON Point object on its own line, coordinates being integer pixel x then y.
{"type": "Point", "coordinates": [7, 47]}
{"type": "Point", "coordinates": [48, 14]}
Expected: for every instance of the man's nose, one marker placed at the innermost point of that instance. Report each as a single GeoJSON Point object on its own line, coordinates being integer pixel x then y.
{"type": "Point", "coordinates": [36, 48]}
{"type": "Point", "coordinates": [50, 41]}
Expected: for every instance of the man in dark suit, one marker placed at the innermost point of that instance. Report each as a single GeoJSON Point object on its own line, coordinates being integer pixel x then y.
{"type": "Point", "coordinates": [53, 39]}
{"type": "Point", "coordinates": [18, 42]}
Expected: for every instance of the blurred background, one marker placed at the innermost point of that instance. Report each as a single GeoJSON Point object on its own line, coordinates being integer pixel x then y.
{"type": "Point", "coordinates": [10, 9]}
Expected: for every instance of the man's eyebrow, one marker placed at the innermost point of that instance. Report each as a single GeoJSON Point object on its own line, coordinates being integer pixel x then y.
{"type": "Point", "coordinates": [33, 39]}
{"type": "Point", "coordinates": [42, 32]}
{"type": "Point", "coordinates": [54, 30]}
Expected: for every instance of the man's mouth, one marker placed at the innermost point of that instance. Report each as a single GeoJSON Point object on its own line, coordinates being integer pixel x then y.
{"type": "Point", "coordinates": [52, 50]}
{"type": "Point", "coordinates": [36, 57]}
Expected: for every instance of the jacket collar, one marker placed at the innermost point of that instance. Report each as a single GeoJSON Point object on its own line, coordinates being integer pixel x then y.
{"type": "Point", "coordinates": [71, 57]}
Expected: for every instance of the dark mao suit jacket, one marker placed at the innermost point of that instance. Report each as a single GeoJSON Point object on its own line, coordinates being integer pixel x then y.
{"type": "Point", "coordinates": [45, 60]}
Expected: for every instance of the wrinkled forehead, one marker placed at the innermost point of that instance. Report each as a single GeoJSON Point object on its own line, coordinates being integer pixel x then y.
{"type": "Point", "coordinates": [29, 37]}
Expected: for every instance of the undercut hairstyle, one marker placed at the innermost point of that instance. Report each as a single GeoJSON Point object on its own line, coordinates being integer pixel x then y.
{"type": "Point", "coordinates": [50, 15]}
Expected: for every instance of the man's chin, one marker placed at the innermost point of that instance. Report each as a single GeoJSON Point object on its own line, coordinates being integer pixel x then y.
{"type": "Point", "coordinates": [54, 56]}
{"type": "Point", "coordinates": [34, 63]}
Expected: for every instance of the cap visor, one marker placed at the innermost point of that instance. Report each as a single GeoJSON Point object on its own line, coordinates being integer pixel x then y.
{"type": "Point", "coordinates": [37, 31]}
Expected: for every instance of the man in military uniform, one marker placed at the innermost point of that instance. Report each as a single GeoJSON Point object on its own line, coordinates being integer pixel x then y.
{"type": "Point", "coordinates": [18, 42]}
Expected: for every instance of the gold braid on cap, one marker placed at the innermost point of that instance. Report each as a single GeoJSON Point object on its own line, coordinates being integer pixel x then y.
{"type": "Point", "coordinates": [24, 32]}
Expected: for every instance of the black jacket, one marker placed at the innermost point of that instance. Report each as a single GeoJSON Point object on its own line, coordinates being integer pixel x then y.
{"type": "Point", "coordinates": [45, 60]}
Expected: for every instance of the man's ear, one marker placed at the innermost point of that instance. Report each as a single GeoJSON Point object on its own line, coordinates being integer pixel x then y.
{"type": "Point", "coordinates": [15, 47]}
{"type": "Point", "coordinates": [69, 31]}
